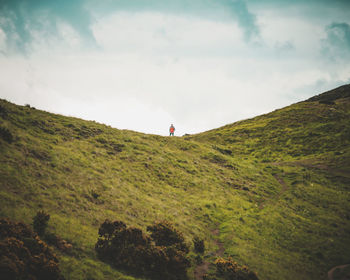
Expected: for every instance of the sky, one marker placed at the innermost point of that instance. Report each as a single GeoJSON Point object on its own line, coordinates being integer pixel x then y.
{"type": "Point", "coordinates": [145, 64]}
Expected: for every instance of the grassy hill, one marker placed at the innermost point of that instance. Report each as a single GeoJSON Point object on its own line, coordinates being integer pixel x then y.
{"type": "Point", "coordinates": [272, 192]}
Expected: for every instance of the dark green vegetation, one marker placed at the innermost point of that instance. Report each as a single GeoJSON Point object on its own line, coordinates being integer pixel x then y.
{"type": "Point", "coordinates": [40, 222]}
{"type": "Point", "coordinates": [23, 255]}
{"type": "Point", "coordinates": [160, 255]}
{"type": "Point", "coordinates": [275, 187]}
{"type": "Point", "coordinates": [229, 269]}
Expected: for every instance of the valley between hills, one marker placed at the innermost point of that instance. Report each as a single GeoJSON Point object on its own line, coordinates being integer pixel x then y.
{"type": "Point", "coordinates": [271, 193]}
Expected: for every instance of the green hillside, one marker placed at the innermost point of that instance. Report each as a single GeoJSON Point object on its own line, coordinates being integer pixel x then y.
{"type": "Point", "coordinates": [272, 192]}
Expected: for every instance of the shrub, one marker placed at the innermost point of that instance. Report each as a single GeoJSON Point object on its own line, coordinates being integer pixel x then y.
{"type": "Point", "coordinates": [199, 246]}
{"type": "Point", "coordinates": [23, 255]}
{"type": "Point", "coordinates": [6, 135]}
{"type": "Point", "coordinates": [164, 234]}
{"type": "Point", "coordinates": [198, 259]}
{"type": "Point", "coordinates": [121, 246]}
{"type": "Point", "coordinates": [231, 270]}
{"type": "Point", "coordinates": [327, 102]}
{"type": "Point", "coordinates": [129, 248]}
{"type": "Point", "coordinates": [58, 242]}
{"type": "Point", "coordinates": [40, 222]}
{"type": "Point", "coordinates": [3, 111]}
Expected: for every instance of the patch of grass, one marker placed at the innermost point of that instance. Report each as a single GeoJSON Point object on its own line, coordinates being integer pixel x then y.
{"type": "Point", "coordinates": [83, 172]}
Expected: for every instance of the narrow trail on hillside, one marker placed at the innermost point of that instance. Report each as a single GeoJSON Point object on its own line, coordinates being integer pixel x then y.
{"type": "Point", "coordinates": [285, 187]}
{"type": "Point", "coordinates": [203, 268]}
{"type": "Point", "coordinates": [319, 165]}
{"type": "Point", "coordinates": [276, 197]}
{"type": "Point", "coordinates": [330, 273]}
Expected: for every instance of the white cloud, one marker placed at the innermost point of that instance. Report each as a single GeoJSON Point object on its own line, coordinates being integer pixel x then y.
{"type": "Point", "coordinates": [160, 34]}
{"type": "Point", "coordinates": [154, 69]}
{"type": "Point", "coordinates": [305, 35]}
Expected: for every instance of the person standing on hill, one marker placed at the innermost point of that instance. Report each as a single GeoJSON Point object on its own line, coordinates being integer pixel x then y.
{"type": "Point", "coordinates": [172, 130]}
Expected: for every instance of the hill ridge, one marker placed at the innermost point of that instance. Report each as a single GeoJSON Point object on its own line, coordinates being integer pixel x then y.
{"type": "Point", "coordinates": [331, 95]}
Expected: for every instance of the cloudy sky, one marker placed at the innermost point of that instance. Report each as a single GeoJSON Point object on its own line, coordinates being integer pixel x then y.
{"type": "Point", "coordinates": [144, 64]}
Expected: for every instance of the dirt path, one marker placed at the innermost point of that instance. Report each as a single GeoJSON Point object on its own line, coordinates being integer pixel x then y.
{"type": "Point", "coordinates": [275, 198]}
{"type": "Point", "coordinates": [202, 268]}
{"type": "Point", "coordinates": [284, 188]}
{"type": "Point", "coordinates": [330, 273]}
{"type": "Point", "coordinates": [219, 252]}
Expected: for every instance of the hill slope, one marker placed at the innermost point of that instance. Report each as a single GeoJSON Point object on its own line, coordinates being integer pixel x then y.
{"type": "Point", "coordinates": [274, 190]}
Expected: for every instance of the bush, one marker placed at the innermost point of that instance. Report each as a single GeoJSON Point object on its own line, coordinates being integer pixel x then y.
{"type": "Point", "coordinates": [164, 234]}
{"type": "Point", "coordinates": [327, 102]}
{"type": "Point", "coordinates": [40, 222]}
{"type": "Point", "coordinates": [198, 259]}
{"type": "Point", "coordinates": [3, 112]}
{"type": "Point", "coordinates": [231, 270]}
{"type": "Point", "coordinates": [6, 135]}
{"type": "Point", "coordinates": [199, 246]}
{"type": "Point", "coordinates": [23, 255]}
{"type": "Point", "coordinates": [120, 245]}
{"type": "Point", "coordinates": [130, 249]}
{"type": "Point", "coordinates": [58, 242]}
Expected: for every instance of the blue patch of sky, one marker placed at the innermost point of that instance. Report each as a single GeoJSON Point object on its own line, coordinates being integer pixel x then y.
{"type": "Point", "coordinates": [18, 18]}
{"type": "Point", "coordinates": [23, 16]}
{"type": "Point", "coordinates": [336, 46]}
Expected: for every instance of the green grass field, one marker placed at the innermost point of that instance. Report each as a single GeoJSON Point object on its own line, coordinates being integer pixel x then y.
{"type": "Point", "coordinates": [277, 187]}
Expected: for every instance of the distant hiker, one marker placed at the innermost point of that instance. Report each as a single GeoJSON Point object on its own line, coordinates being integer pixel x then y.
{"type": "Point", "coordinates": [172, 130]}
